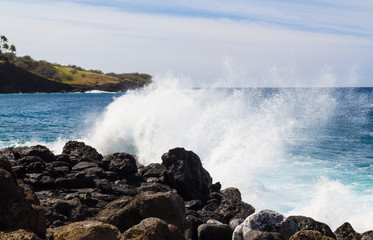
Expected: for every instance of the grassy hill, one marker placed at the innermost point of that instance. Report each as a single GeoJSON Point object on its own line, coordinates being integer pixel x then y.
{"type": "Point", "coordinates": [81, 79]}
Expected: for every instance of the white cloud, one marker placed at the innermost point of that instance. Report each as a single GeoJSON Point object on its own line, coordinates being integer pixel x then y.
{"type": "Point", "coordinates": [114, 40]}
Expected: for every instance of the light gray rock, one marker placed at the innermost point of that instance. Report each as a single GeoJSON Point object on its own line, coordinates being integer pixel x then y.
{"type": "Point", "coordinates": [266, 221]}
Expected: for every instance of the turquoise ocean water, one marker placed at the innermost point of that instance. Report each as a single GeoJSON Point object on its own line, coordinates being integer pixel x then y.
{"type": "Point", "coordinates": [302, 151]}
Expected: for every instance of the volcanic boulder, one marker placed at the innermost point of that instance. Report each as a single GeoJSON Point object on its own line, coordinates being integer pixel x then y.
{"type": "Point", "coordinates": [214, 230]}
{"type": "Point", "coordinates": [307, 223]}
{"type": "Point", "coordinates": [346, 232]}
{"type": "Point", "coordinates": [167, 206]}
{"type": "Point", "coordinates": [17, 212]}
{"type": "Point", "coordinates": [186, 174]}
{"type": "Point", "coordinates": [78, 151]}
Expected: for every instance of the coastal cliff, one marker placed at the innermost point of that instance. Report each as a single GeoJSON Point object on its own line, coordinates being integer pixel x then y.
{"type": "Point", "coordinates": [29, 76]}
{"type": "Point", "coordinates": [16, 80]}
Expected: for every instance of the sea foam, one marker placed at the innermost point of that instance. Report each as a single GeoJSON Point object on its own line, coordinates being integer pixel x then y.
{"type": "Point", "coordinates": [244, 138]}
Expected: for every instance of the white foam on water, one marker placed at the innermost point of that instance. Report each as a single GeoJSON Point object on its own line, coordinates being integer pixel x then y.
{"type": "Point", "coordinates": [334, 203]}
{"type": "Point", "coordinates": [242, 137]}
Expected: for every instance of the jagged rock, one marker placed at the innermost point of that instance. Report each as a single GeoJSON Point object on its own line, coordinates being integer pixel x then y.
{"type": "Point", "coordinates": [214, 231]}
{"type": "Point", "coordinates": [28, 192]}
{"type": "Point", "coordinates": [310, 235]}
{"type": "Point", "coordinates": [154, 172]}
{"type": "Point", "coordinates": [232, 206]}
{"type": "Point", "coordinates": [367, 235]}
{"type": "Point", "coordinates": [153, 229]}
{"type": "Point", "coordinates": [186, 174]}
{"type": "Point", "coordinates": [167, 206]}
{"type": "Point", "coordinates": [75, 181]}
{"type": "Point", "coordinates": [78, 151]}
{"type": "Point", "coordinates": [225, 206]}
{"type": "Point", "coordinates": [87, 230]}
{"type": "Point", "coordinates": [38, 151]}
{"type": "Point", "coordinates": [16, 211]}
{"type": "Point", "coordinates": [346, 232]}
{"type": "Point", "coordinates": [266, 221]}
{"type": "Point", "coordinates": [83, 165]}
{"type": "Point", "coordinates": [32, 164]}
{"type": "Point", "coordinates": [63, 158]}
{"type": "Point", "coordinates": [19, 234]}
{"type": "Point", "coordinates": [307, 223]}
{"type": "Point", "coordinates": [94, 172]}
{"type": "Point", "coordinates": [122, 163]}
{"type": "Point", "coordinates": [58, 168]}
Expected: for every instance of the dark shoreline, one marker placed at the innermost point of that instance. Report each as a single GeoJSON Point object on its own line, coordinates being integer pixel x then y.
{"type": "Point", "coordinates": [59, 195]}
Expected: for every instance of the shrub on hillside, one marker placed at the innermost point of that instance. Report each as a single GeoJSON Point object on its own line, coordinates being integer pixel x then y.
{"type": "Point", "coordinates": [21, 65]}
{"type": "Point", "coordinates": [45, 70]}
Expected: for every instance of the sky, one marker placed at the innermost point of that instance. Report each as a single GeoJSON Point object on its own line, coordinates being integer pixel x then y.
{"type": "Point", "coordinates": [237, 43]}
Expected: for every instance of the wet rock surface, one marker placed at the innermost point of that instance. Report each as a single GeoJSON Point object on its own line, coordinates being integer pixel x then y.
{"type": "Point", "coordinates": [48, 196]}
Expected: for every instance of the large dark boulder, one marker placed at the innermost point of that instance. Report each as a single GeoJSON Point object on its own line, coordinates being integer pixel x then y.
{"type": "Point", "coordinates": [122, 163]}
{"type": "Point", "coordinates": [232, 206]}
{"type": "Point", "coordinates": [346, 232]}
{"type": "Point", "coordinates": [58, 168]}
{"type": "Point", "coordinates": [154, 172]}
{"type": "Point", "coordinates": [38, 151]}
{"type": "Point", "coordinates": [167, 206]}
{"type": "Point", "coordinates": [79, 151]}
{"type": "Point", "coordinates": [17, 212]}
{"type": "Point", "coordinates": [186, 174]}
{"type": "Point", "coordinates": [214, 232]}
{"type": "Point", "coordinates": [307, 223]}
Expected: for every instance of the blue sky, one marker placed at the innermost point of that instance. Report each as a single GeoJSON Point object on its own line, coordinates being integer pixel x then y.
{"type": "Point", "coordinates": [204, 43]}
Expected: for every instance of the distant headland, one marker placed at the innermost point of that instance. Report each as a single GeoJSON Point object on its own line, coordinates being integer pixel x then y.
{"type": "Point", "coordinates": [26, 75]}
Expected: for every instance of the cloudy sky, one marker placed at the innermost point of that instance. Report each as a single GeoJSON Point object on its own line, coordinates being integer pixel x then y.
{"type": "Point", "coordinates": [206, 43]}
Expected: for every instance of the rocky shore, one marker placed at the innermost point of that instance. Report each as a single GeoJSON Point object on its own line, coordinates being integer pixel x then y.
{"type": "Point", "coordinates": [81, 194]}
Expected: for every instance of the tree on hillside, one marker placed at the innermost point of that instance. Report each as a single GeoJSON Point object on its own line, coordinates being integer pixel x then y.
{"type": "Point", "coordinates": [4, 46]}
{"type": "Point", "coordinates": [12, 49]}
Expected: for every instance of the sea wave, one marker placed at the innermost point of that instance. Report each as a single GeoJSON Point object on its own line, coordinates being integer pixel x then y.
{"type": "Point", "coordinates": [243, 137]}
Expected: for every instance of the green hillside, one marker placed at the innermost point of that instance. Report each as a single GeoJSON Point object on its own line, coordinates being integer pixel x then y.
{"type": "Point", "coordinates": [77, 78]}
{"type": "Point", "coordinates": [81, 78]}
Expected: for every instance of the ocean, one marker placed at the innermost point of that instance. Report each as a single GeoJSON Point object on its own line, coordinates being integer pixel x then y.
{"type": "Point", "coordinates": [298, 151]}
